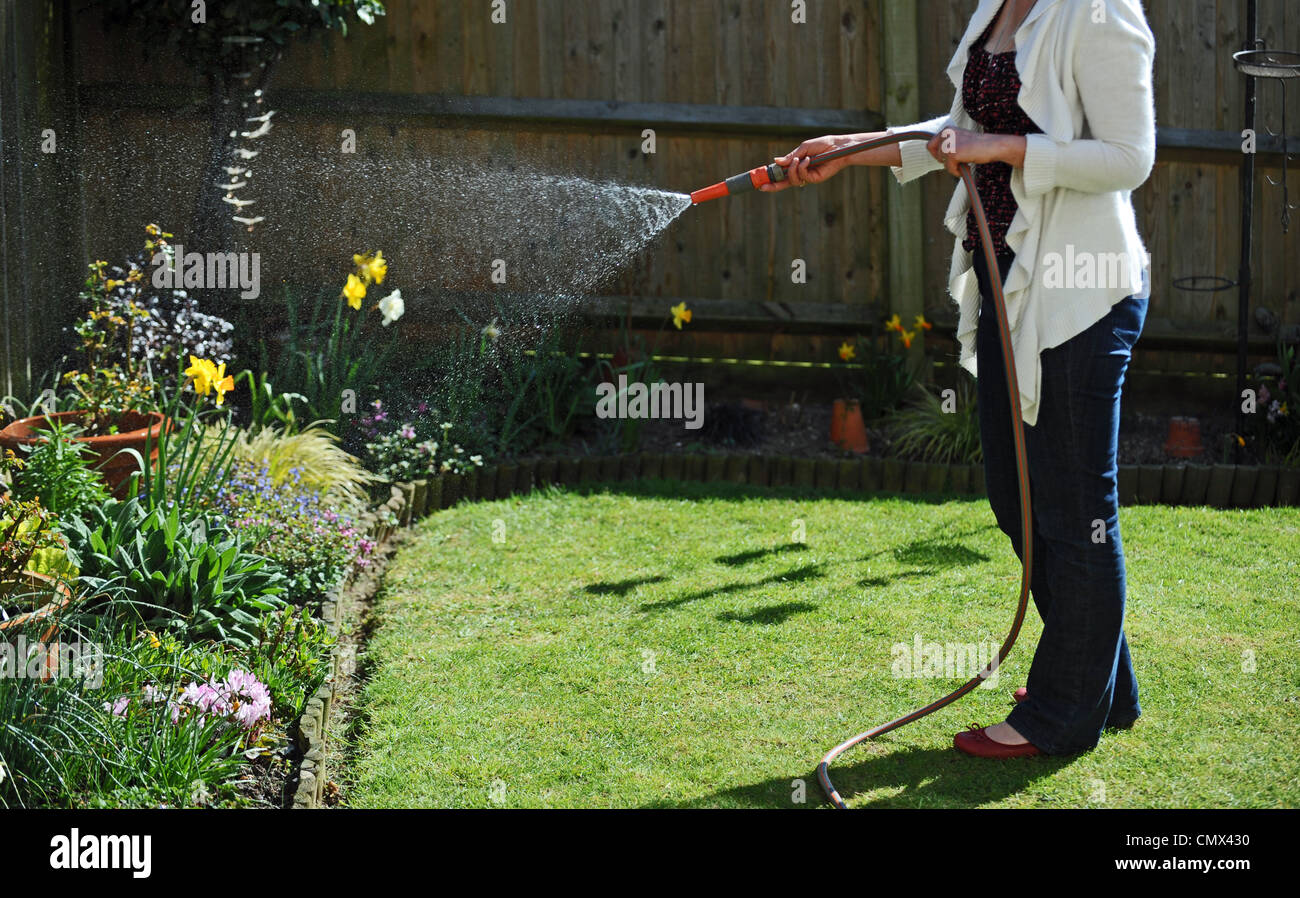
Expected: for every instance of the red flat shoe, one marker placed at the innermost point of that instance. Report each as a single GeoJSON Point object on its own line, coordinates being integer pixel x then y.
{"type": "Point", "coordinates": [1020, 694]}
{"type": "Point", "coordinates": [977, 742]}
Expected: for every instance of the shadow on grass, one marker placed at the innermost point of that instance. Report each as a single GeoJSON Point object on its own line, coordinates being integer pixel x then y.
{"type": "Point", "coordinates": [912, 777]}
{"type": "Point", "coordinates": [772, 614]}
{"type": "Point", "coordinates": [879, 582]}
{"type": "Point", "coordinates": [799, 574]}
{"type": "Point", "coordinates": [621, 587]}
{"type": "Point", "coordinates": [935, 554]}
{"type": "Point", "coordinates": [754, 554]}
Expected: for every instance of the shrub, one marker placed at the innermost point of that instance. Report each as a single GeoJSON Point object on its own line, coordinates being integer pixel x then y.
{"type": "Point", "coordinates": [936, 431]}
{"type": "Point", "coordinates": [419, 447]}
{"type": "Point", "coordinates": [312, 458]}
{"type": "Point", "coordinates": [59, 473]}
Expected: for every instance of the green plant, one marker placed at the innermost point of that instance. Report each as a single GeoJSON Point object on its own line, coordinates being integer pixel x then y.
{"type": "Point", "coordinates": [636, 361]}
{"type": "Point", "coordinates": [401, 455]}
{"type": "Point", "coordinates": [193, 575]}
{"type": "Point", "coordinates": [336, 350]}
{"type": "Point", "coordinates": [879, 377]}
{"type": "Point", "coordinates": [59, 472]}
{"type": "Point", "coordinates": [311, 543]}
{"type": "Point", "coordinates": [291, 657]}
{"type": "Point", "coordinates": [268, 408]}
{"type": "Point", "coordinates": [192, 461]}
{"type": "Point", "coordinates": [53, 738]}
{"type": "Point", "coordinates": [1276, 423]}
{"type": "Point", "coordinates": [112, 381]}
{"type": "Point", "coordinates": [940, 428]}
{"type": "Point", "coordinates": [541, 391]}
{"type": "Point", "coordinates": [312, 457]}
{"type": "Point", "coordinates": [26, 531]}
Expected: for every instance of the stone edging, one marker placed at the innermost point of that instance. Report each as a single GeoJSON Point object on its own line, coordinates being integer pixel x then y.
{"type": "Point", "coordinates": [312, 728]}
{"type": "Point", "coordinates": [1220, 486]}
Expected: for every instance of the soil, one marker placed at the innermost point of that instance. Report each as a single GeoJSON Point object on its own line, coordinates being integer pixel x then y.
{"type": "Point", "coordinates": [802, 430]}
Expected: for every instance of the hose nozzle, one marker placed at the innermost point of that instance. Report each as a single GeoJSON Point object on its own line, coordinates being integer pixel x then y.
{"type": "Point", "coordinates": [750, 180]}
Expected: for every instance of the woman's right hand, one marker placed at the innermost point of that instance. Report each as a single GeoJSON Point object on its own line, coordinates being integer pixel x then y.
{"type": "Point", "coordinates": [797, 162]}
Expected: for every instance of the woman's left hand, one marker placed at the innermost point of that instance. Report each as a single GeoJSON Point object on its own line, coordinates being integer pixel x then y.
{"type": "Point", "coordinates": [955, 145]}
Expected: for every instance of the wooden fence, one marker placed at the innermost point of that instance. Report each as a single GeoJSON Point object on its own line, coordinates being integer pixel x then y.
{"type": "Point", "coordinates": [570, 87]}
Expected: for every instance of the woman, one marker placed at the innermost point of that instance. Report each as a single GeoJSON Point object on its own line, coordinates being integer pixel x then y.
{"type": "Point", "coordinates": [1054, 107]}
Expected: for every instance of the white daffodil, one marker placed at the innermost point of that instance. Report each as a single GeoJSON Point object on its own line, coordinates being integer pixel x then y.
{"type": "Point", "coordinates": [491, 331]}
{"type": "Point", "coordinates": [392, 307]}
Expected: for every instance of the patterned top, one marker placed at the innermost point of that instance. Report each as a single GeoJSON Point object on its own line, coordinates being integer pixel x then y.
{"type": "Point", "coordinates": [989, 94]}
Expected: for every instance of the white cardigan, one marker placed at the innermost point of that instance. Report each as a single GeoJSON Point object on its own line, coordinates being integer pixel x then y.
{"type": "Point", "coordinates": [1085, 69]}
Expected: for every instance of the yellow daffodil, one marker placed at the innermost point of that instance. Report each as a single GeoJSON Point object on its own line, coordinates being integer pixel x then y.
{"type": "Point", "coordinates": [1240, 440]}
{"type": "Point", "coordinates": [201, 371]}
{"type": "Point", "coordinates": [894, 324]}
{"type": "Point", "coordinates": [922, 324]}
{"type": "Point", "coordinates": [906, 337]}
{"type": "Point", "coordinates": [372, 268]}
{"type": "Point", "coordinates": [354, 290]}
{"type": "Point", "coordinates": [847, 352]}
{"type": "Point", "coordinates": [222, 383]}
{"type": "Point", "coordinates": [680, 314]}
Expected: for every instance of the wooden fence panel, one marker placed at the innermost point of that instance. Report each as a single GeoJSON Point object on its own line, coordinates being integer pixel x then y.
{"type": "Point", "coordinates": [727, 84]}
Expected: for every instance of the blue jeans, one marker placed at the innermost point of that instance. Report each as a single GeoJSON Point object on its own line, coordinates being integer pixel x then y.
{"type": "Point", "coordinates": [1081, 680]}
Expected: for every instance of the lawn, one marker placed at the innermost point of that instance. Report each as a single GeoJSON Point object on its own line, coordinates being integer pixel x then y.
{"type": "Point", "coordinates": [669, 645]}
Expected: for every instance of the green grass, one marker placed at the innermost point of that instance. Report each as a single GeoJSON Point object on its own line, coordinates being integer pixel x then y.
{"type": "Point", "coordinates": [676, 645]}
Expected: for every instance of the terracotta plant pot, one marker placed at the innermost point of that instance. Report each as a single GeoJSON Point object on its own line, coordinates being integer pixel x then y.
{"type": "Point", "coordinates": [838, 408]}
{"type": "Point", "coordinates": [46, 614]}
{"type": "Point", "coordinates": [1184, 438]}
{"type": "Point", "coordinates": [114, 465]}
{"type": "Point", "coordinates": [855, 429]}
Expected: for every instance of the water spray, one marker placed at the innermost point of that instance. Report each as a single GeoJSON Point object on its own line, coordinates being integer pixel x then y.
{"type": "Point", "coordinates": [772, 173]}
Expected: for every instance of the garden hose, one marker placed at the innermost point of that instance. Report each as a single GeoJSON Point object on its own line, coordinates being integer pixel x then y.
{"type": "Point", "coordinates": [771, 173]}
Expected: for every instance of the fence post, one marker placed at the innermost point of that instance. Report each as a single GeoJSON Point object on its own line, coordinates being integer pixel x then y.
{"type": "Point", "coordinates": [902, 107]}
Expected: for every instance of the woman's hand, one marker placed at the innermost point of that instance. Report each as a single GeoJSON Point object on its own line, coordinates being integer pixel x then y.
{"type": "Point", "coordinates": [955, 145]}
{"type": "Point", "coordinates": [800, 172]}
